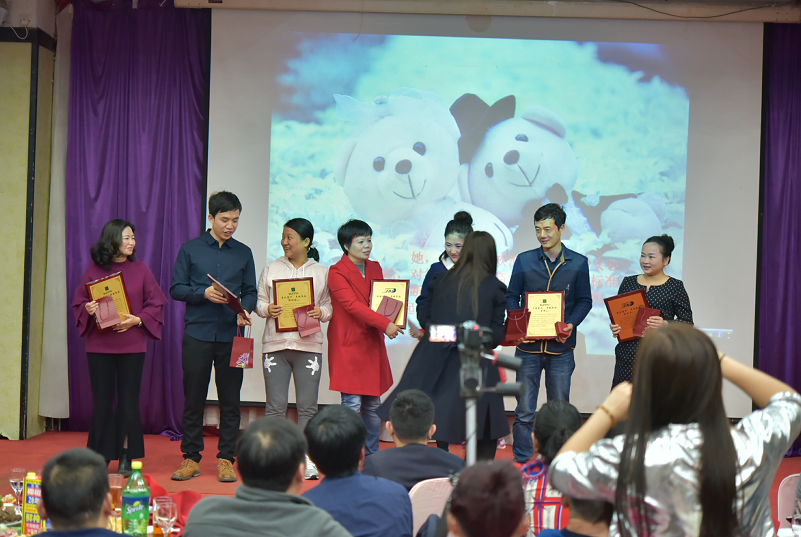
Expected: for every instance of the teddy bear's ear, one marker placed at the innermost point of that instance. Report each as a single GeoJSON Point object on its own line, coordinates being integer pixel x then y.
{"type": "Point", "coordinates": [341, 164]}
{"type": "Point", "coordinates": [464, 190]}
{"type": "Point", "coordinates": [546, 118]}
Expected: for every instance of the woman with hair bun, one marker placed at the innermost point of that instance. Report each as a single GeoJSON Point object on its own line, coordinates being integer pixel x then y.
{"type": "Point", "coordinates": [555, 422]}
{"type": "Point", "coordinates": [455, 232]}
{"type": "Point", "coordinates": [663, 292]}
{"type": "Point", "coordinates": [287, 354]}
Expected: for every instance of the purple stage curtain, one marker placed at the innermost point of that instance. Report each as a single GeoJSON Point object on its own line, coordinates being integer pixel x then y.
{"type": "Point", "coordinates": [780, 224]}
{"type": "Point", "coordinates": [137, 130]}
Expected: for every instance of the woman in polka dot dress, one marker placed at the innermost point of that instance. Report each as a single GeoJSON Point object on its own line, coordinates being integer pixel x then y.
{"type": "Point", "coordinates": [663, 292]}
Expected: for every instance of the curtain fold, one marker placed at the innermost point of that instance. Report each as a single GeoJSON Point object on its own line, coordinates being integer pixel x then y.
{"type": "Point", "coordinates": [780, 224]}
{"type": "Point", "coordinates": [137, 117]}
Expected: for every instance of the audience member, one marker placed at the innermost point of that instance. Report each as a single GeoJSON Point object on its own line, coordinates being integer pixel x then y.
{"type": "Point", "coordinates": [366, 506]}
{"type": "Point", "coordinates": [487, 501]}
{"type": "Point", "coordinates": [272, 464]}
{"type": "Point", "coordinates": [411, 425]}
{"type": "Point", "coordinates": [556, 421]}
{"type": "Point", "coordinates": [75, 494]}
{"type": "Point", "coordinates": [588, 518]}
{"type": "Point", "coordinates": [681, 469]}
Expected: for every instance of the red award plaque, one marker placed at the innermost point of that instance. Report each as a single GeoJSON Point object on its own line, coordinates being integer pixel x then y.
{"type": "Point", "coordinates": [623, 310]}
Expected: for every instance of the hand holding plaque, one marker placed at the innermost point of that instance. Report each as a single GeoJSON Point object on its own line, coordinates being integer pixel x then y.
{"type": "Point", "coordinates": [307, 325]}
{"type": "Point", "coordinates": [290, 294]}
{"type": "Point", "coordinates": [112, 286]}
{"type": "Point", "coordinates": [398, 290]}
{"type": "Point", "coordinates": [641, 323]}
{"type": "Point", "coordinates": [233, 300]}
{"type": "Point", "coordinates": [546, 308]}
{"type": "Point", "coordinates": [623, 310]}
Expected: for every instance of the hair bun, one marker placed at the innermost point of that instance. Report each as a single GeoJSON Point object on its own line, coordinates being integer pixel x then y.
{"type": "Point", "coordinates": [464, 216]}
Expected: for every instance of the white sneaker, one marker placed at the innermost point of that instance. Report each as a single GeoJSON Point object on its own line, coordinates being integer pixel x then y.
{"type": "Point", "coordinates": [311, 469]}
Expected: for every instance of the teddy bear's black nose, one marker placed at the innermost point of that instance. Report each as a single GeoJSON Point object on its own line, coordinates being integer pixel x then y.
{"type": "Point", "coordinates": [511, 157]}
{"type": "Point", "coordinates": [404, 166]}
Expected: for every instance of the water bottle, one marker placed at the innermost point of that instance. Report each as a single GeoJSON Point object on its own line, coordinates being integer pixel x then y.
{"type": "Point", "coordinates": [135, 503]}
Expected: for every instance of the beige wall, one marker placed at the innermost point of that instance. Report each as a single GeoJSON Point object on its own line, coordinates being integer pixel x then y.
{"type": "Point", "coordinates": [15, 87]}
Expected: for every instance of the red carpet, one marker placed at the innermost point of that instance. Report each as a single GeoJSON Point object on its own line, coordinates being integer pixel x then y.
{"type": "Point", "coordinates": [164, 457]}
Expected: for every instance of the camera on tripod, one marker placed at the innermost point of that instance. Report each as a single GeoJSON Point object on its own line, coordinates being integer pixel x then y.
{"type": "Point", "coordinates": [475, 344]}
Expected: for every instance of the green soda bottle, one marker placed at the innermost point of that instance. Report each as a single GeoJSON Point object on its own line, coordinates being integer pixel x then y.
{"type": "Point", "coordinates": [135, 503]}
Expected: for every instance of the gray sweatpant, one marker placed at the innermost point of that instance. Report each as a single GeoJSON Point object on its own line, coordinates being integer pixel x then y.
{"type": "Point", "coordinates": [278, 367]}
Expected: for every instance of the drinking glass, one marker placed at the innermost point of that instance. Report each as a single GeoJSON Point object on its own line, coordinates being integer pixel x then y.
{"type": "Point", "coordinates": [16, 477]}
{"type": "Point", "coordinates": [165, 512]}
{"type": "Point", "coordinates": [115, 484]}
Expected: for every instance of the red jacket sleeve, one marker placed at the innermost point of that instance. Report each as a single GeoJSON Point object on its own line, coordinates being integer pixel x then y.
{"type": "Point", "coordinates": [343, 294]}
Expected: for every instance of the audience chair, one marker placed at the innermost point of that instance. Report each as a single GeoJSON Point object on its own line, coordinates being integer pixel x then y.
{"type": "Point", "coordinates": [786, 503]}
{"type": "Point", "coordinates": [429, 498]}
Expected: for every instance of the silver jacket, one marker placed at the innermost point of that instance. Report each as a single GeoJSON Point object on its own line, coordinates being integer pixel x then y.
{"type": "Point", "coordinates": [671, 463]}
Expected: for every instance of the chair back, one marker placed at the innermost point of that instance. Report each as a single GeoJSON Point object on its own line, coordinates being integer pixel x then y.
{"type": "Point", "coordinates": [429, 498]}
{"type": "Point", "coordinates": [786, 504]}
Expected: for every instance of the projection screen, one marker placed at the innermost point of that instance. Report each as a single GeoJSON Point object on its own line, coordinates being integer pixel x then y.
{"type": "Point", "coordinates": [637, 127]}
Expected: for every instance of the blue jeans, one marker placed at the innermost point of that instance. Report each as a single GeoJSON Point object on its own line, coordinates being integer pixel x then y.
{"type": "Point", "coordinates": [558, 370]}
{"type": "Point", "coordinates": [366, 405]}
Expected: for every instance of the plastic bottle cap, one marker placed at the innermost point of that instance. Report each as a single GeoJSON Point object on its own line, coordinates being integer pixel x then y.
{"type": "Point", "coordinates": [136, 465]}
{"type": "Point", "coordinates": [31, 474]}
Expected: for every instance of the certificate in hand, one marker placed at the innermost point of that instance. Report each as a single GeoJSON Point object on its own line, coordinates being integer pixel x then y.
{"type": "Point", "coordinates": [547, 308]}
{"type": "Point", "coordinates": [623, 310]}
{"type": "Point", "coordinates": [114, 286]}
{"type": "Point", "coordinates": [397, 289]}
{"type": "Point", "coordinates": [233, 300]}
{"type": "Point", "coordinates": [290, 294]}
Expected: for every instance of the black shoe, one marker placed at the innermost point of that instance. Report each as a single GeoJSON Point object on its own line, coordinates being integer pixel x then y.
{"type": "Point", "coordinates": [124, 467]}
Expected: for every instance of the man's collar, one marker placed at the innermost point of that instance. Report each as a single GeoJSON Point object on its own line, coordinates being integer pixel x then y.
{"type": "Point", "coordinates": [211, 241]}
{"type": "Point", "coordinates": [565, 254]}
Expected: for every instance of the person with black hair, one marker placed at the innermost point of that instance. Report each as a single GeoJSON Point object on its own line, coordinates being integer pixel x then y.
{"type": "Point", "coordinates": [411, 426]}
{"type": "Point", "coordinates": [209, 330]}
{"type": "Point", "coordinates": [366, 506]}
{"type": "Point", "coordinates": [681, 469]}
{"type": "Point", "coordinates": [116, 355]}
{"type": "Point", "coordinates": [75, 494]}
{"type": "Point", "coordinates": [455, 232]}
{"type": "Point", "coordinates": [556, 421]}
{"type": "Point", "coordinates": [287, 354]}
{"type": "Point", "coordinates": [588, 518]}
{"type": "Point", "coordinates": [470, 291]}
{"type": "Point", "coordinates": [270, 455]}
{"type": "Point", "coordinates": [663, 293]}
{"type": "Point", "coordinates": [553, 267]}
{"type": "Point", "coordinates": [487, 501]}
{"type": "Point", "coordinates": [357, 354]}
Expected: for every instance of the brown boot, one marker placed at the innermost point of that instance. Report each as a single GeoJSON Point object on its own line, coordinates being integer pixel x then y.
{"type": "Point", "coordinates": [225, 471]}
{"type": "Point", "coordinates": [188, 470]}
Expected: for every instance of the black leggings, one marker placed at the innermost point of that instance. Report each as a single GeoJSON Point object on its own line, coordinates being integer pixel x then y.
{"type": "Point", "coordinates": [116, 377]}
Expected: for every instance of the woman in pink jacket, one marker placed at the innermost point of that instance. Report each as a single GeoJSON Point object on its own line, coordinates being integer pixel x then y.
{"type": "Point", "coordinates": [287, 354]}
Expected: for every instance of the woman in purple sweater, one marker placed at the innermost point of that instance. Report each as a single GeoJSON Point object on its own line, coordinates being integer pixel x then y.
{"type": "Point", "coordinates": [116, 355]}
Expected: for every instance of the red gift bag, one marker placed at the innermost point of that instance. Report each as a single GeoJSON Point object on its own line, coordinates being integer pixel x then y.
{"type": "Point", "coordinates": [242, 351]}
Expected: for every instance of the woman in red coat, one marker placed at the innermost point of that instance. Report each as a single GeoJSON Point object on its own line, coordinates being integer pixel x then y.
{"type": "Point", "coordinates": [357, 355]}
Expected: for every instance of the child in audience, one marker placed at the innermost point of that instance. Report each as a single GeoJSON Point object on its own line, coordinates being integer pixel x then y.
{"type": "Point", "coordinates": [681, 469]}
{"type": "Point", "coordinates": [554, 424]}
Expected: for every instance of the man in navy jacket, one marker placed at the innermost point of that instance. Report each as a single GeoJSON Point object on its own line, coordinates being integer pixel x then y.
{"type": "Point", "coordinates": [553, 267]}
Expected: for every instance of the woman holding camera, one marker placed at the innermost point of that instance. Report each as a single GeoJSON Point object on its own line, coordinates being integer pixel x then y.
{"type": "Point", "coordinates": [469, 291]}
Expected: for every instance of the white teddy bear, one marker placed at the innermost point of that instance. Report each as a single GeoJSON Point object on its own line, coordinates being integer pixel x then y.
{"type": "Point", "coordinates": [402, 162]}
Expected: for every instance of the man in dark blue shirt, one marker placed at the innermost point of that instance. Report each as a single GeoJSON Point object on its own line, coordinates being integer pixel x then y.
{"type": "Point", "coordinates": [210, 327]}
{"type": "Point", "coordinates": [411, 425]}
{"type": "Point", "coordinates": [553, 267]}
{"type": "Point", "coordinates": [366, 506]}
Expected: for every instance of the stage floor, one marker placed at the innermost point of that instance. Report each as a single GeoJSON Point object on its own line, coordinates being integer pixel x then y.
{"type": "Point", "coordinates": [163, 457]}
